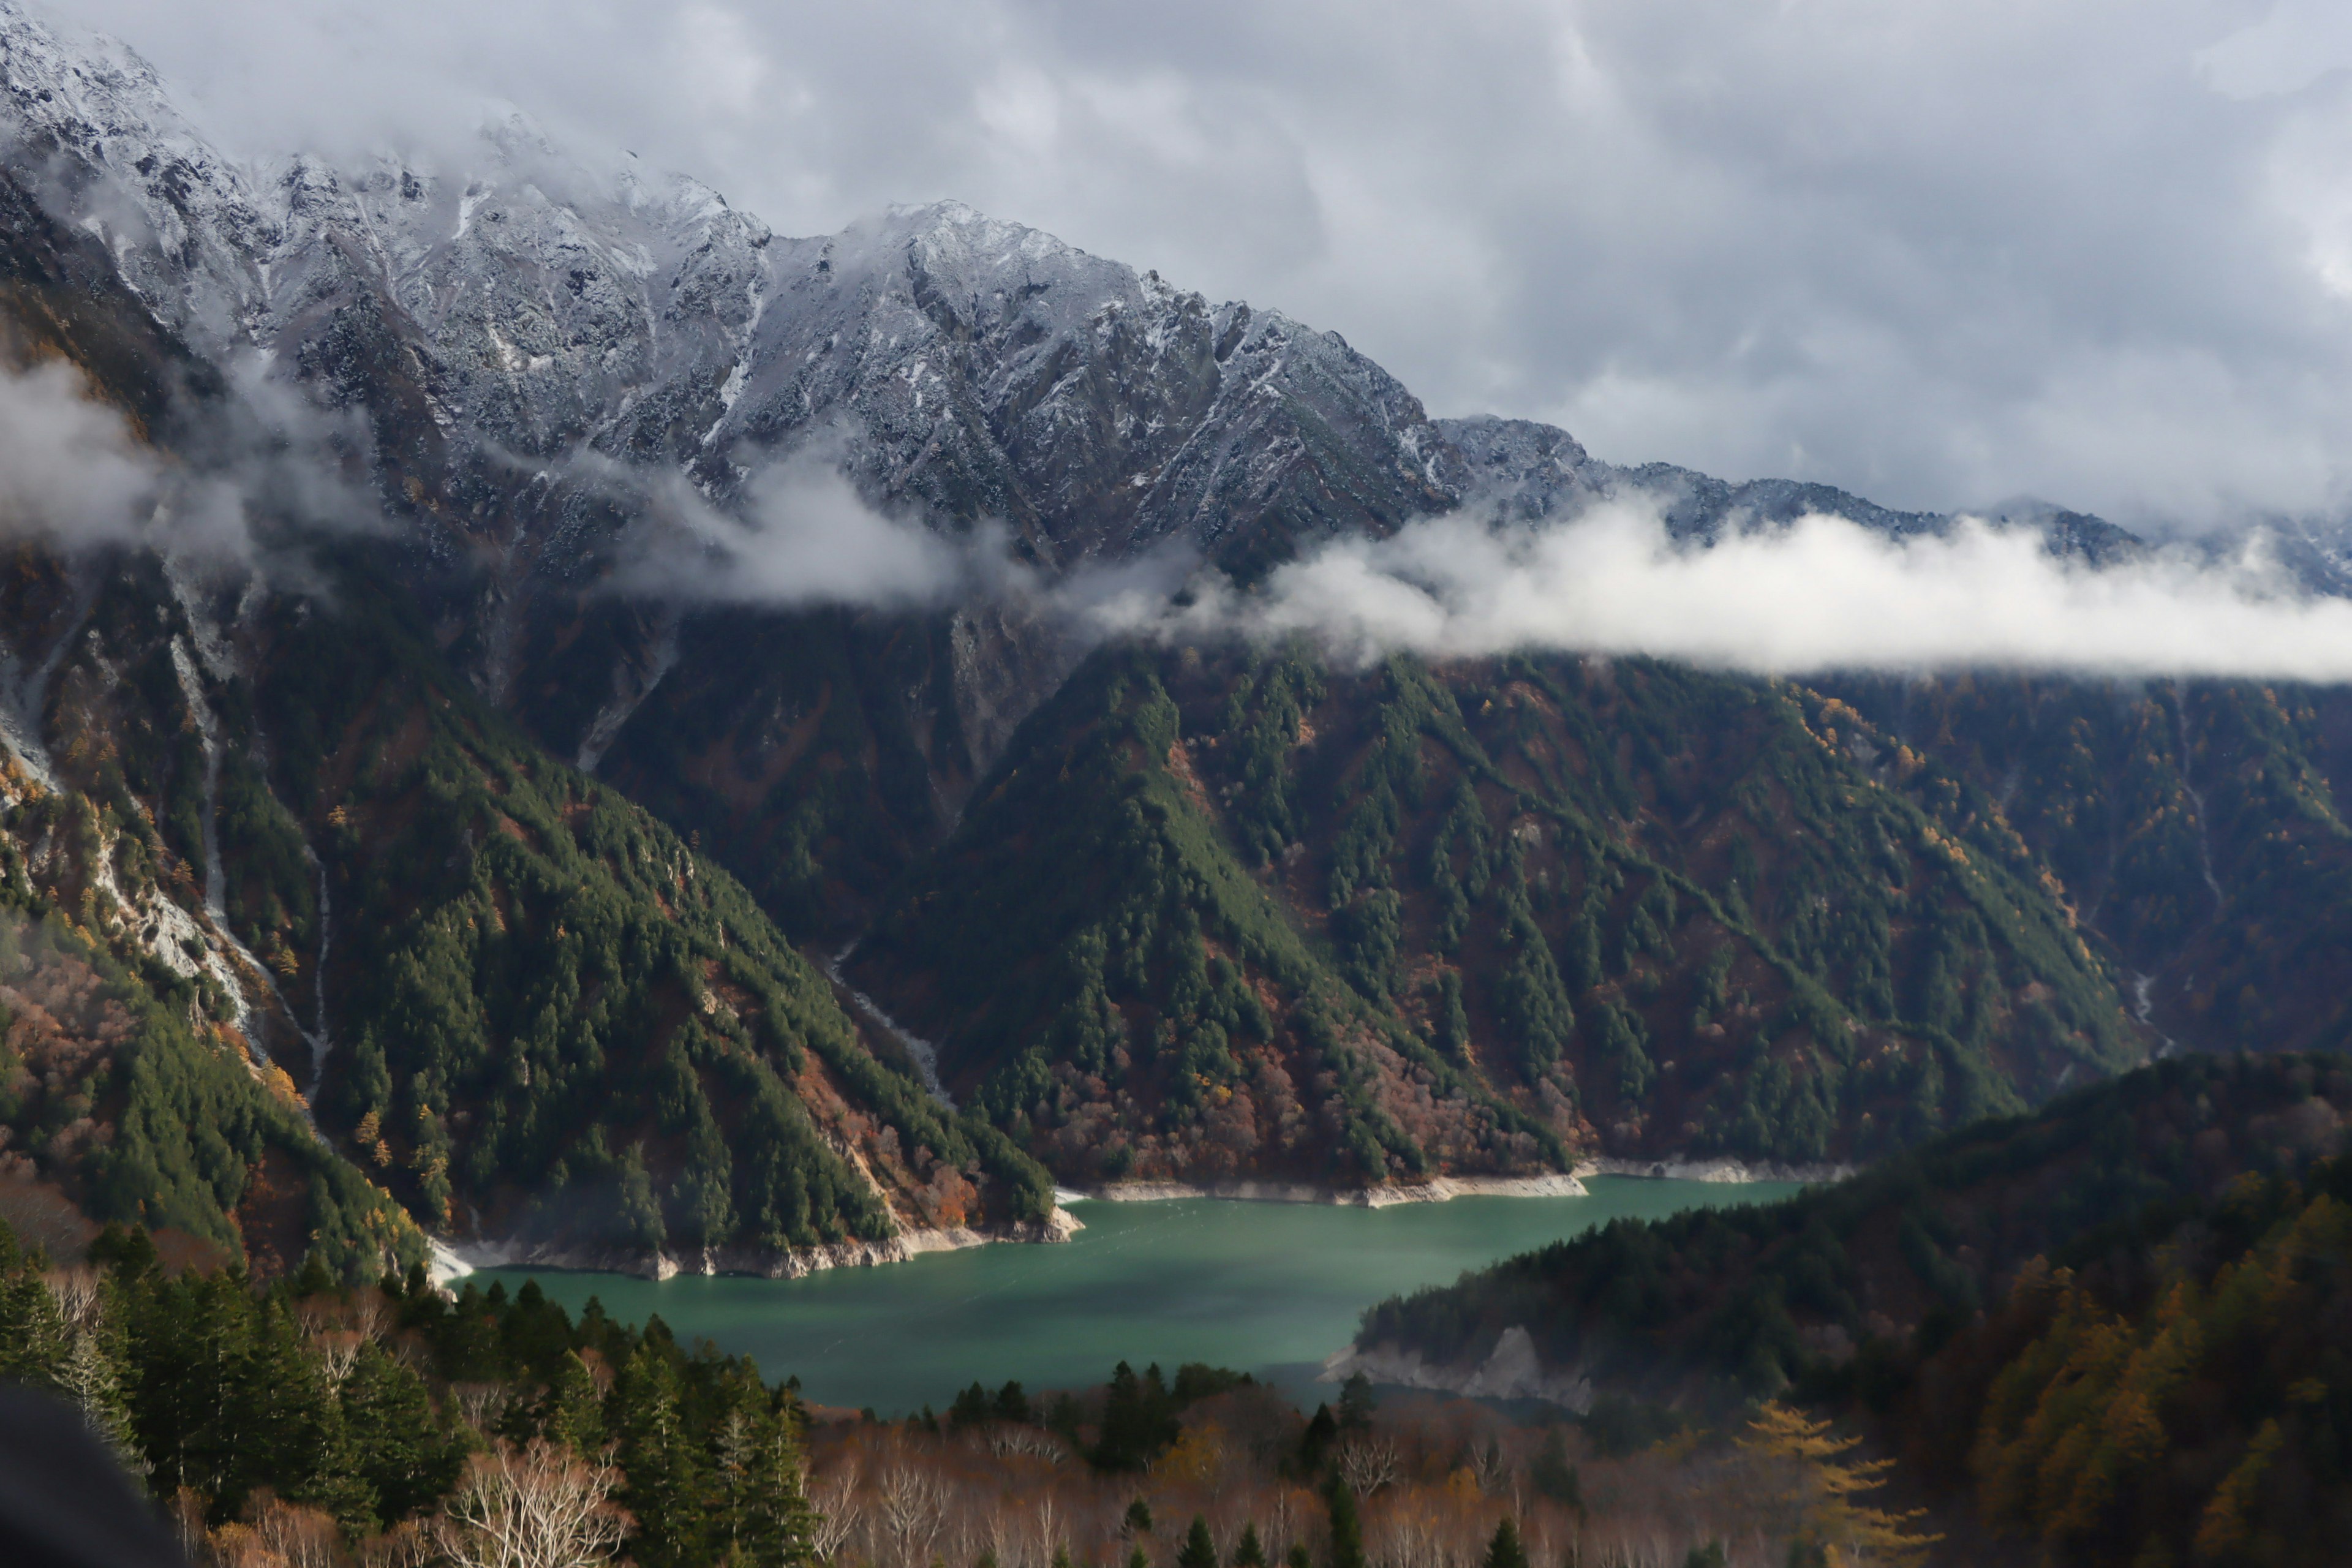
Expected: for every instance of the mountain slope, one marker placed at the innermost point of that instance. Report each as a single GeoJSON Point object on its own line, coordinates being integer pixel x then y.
{"type": "Point", "coordinates": [2115, 1328]}
{"type": "Point", "coordinates": [1648, 911]}
{"type": "Point", "coordinates": [1487, 916]}
{"type": "Point", "coordinates": [564, 1009]}
{"type": "Point", "coordinates": [529, 346]}
{"type": "Point", "coordinates": [2196, 824]}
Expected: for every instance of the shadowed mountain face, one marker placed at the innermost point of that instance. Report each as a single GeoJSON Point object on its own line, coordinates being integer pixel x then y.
{"type": "Point", "coordinates": [1193, 914]}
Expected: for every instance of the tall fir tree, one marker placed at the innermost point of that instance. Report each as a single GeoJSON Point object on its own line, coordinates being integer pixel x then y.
{"type": "Point", "coordinates": [1198, 1551]}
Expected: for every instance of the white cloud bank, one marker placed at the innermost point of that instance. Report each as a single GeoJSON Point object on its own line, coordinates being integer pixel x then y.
{"type": "Point", "coordinates": [806, 538]}
{"type": "Point", "coordinates": [1819, 595]}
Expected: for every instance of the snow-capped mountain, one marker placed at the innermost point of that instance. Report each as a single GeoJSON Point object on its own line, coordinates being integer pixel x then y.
{"type": "Point", "coordinates": [535, 308]}
{"type": "Point", "coordinates": [513, 355]}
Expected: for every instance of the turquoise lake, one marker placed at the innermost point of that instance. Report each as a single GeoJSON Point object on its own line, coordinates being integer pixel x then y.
{"type": "Point", "coordinates": [1266, 1288]}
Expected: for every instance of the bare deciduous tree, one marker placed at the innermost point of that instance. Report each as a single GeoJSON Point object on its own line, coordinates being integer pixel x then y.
{"type": "Point", "coordinates": [912, 1502]}
{"type": "Point", "coordinates": [1492, 1470]}
{"type": "Point", "coordinates": [185, 1514]}
{"type": "Point", "coordinates": [1005, 1442]}
{"type": "Point", "coordinates": [296, 1537]}
{"type": "Point", "coordinates": [76, 1291]}
{"type": "Point", "coordinates": [534, 1506]}
{"type": "Point", "coordinates": [838, 1508]}
{"type": "Point", "coordinates": [1284, 1522]}
{"type": "Point", "coordinates": [1368, 1464]}
{"type": "Point", "coordinates": [339, 1352]}
{"type": "Point", "coordinates": [406, 1545]}
{"type": "Point", "coordinates": [1050, 1528]}
{"type": "Point", "coordinates": [481, 1403]}
{"type": "Point", "coordinates": [371, 1316]}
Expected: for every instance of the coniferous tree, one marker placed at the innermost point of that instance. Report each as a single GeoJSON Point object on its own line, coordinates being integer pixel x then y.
{"type": "Point", "coordinates": [1356, 1402]}
{"type": "Point", "coordinates": [1504, 1550]}
{"type": "Point", "coordinates": [575, 1413]}
{"type": "Point", "coordinates": [641, 1215]}
{"type": "Point", "coordinates": [663, 1490]}
{"type": "Point", "coordinates": [1198, 1551]}
{"type": "Point", "coordinates": [1347, 1527]}
{"type": "Point", "coordinates": [32, 1332]}
{"type": "Point", "coordinates": [287, 1430]}
{"type": "Point", "coordinates": [764, 1512]}
{"type": "Point", "coordinates": [90, 1376]}
{"type": "Point", "coordinates": [1248, 1553]}
{"type": "Point", "coordinates": [407, 1456]}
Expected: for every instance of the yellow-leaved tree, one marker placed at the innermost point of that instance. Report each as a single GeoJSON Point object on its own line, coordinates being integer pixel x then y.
{"type": "Point", "coordinates": [1833, 1523]}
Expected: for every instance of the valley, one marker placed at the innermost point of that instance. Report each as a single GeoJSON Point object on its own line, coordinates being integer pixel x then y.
{"type": "Point", "coordinates": [617, 829]}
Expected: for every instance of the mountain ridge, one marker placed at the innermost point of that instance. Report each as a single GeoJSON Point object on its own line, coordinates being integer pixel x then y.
{"type": "Point", "coordinates": [1714, 915]}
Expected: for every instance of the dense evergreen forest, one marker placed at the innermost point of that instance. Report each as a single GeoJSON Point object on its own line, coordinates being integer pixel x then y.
{"type": "Point", "coordinates": [306, 1417]}
{"type": "Point", "coordinates": [1481, 917]}
{"type": "Point", "coordinates": [2197, 827]}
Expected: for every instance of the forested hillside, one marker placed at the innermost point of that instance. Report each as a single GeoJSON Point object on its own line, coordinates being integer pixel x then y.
{"type": "Point", "coordinates": [303, 1418]}
{"type": "Point", "coordinates": [2196, 825]}
{"type": "Point", "coordinates": [1631, 909]}
{"type": "Point", "coordinates": [2115, 1328]}
{"type": "Point", "coordinates": [566, 1020]}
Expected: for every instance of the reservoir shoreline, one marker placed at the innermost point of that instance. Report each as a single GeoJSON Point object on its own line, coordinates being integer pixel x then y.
{"type": "Point", "coordinates": [1269, 1288]}
{"type": "Point", "coordinates": [454, 1259]}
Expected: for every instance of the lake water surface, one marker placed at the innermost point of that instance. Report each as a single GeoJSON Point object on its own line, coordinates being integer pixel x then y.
{"type": "Point", "coordinates": [1272, 1289]}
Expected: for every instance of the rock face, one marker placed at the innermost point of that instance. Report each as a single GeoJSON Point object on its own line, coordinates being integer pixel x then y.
{"type": "Point", "coordinates": [452, 1262]}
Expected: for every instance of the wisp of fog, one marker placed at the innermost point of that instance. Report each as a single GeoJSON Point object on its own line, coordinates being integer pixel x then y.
{"type": "Point", "coordinates": [76, 474]}
{"type": "Point", "coordinates": [1821, 594]}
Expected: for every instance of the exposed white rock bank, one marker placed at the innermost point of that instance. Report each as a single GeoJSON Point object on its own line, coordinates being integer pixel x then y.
{"type": "Point", "coordinates": [1680, 1168]}
{"type": "Point", "coordinates": [1550, 1184]}
{"type": "Point", "coordinates": [453, 1260]}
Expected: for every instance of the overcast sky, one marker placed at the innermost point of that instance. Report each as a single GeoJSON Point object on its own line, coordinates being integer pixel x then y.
{"type": "Point", "coordinates": [1941, 252]}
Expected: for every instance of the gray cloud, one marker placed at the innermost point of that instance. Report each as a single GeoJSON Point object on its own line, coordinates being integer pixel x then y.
{"type": "Point", "coordinates": [1819, 595]}
{"type": "Point", "coordinates": [803, 537]}
{"type": "Point", "coordinates": [75, 474]}
{"type": "Point", "coordinates": [70, 470]}
{"type": "Point", "coordinates": [1938, 253]}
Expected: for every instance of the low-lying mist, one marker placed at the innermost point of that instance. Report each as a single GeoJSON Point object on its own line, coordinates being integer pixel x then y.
{"type": "Point", "coordinates": [1818, 594]}
{"type": "Point", "coordinates": [76, 474]}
